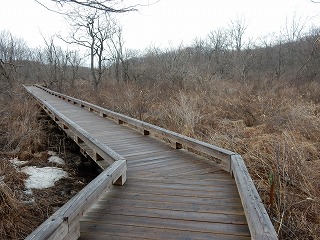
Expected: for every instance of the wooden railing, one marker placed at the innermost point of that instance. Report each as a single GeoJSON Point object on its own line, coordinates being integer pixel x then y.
{"type": "Point", "coordinates": [258, 220]}
{"type": "Point", "coordinates": [65, 223]}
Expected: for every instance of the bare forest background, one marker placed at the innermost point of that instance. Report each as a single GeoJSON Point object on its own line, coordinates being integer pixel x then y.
{"type": "Point", "coordinates": [259, 98]}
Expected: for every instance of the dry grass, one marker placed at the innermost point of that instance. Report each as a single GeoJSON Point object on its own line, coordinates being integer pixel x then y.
{"type": "Point", "coordinates": [21, 130]}
{"type": "Point", "coordinates": [276, 127]}
{"type": "Point", "coordinates": [17, 218]}
{"type": "Point", "coordinates": [25, 135]}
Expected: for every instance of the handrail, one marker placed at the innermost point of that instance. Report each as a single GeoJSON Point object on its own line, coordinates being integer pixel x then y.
{"type": "Point", "coordinates": [65, 222]}
{"type": "Point", "coordinates": [258, 220]}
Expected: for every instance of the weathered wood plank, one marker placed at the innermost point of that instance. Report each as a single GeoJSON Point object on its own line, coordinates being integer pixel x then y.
{"type": "Point", "coordinates": [224, 207]}
{"type": "Point", "coordinates": [110, 231]}
{"type": "Point", "coordinates": [211, 223]}
{"type": "Point", "coordinates": [148, 196]}
{"type": "Point", "coordinates": [227, 229]}
{"type": "Point", "coordinates": [257, 217]}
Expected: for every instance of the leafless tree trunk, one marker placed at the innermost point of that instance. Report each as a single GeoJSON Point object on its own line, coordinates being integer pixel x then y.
{"type": "Point", "coordinates": [92, 30]}
{"type": "Point", "coordinates": [237, 30]}
{"type": "Point", "coordinates": [12, 51]}
{"type": "Point", "coordinates": [74, 61]}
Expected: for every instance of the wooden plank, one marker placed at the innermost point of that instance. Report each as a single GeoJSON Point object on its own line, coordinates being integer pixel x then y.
{"type": "Point", "coordinates": [220, 193]}
{"type": "Point", "coordinates": [217, 223]}
{"type": "Point", "coordinates": [257, 217]}
{"type": "Point", "coordinates": [73, 232]}
{"type": "Point", "coordinates": [167, 225]}
{"type": "Point", "coordinates": [53, 228]}
{"type": "Point", "coordinates": [184, 181]}
{"type": "Point", "coordinates": [175, 163]}
{"type": "Point", "coordinates": [149, 196]}
{"type": "Point", "coordinates": [225, 207]}
{"type": "Point", "coordinates": [110, 231]}
{"type": "Point", "coordinates": [220, 186]}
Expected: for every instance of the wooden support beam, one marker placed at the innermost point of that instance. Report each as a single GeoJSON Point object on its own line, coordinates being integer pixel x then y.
{"type": "Point", "coordinates": [78, 140]}
{"type": "Point", "coordinates": [103, 115]}
{"type": "Point", "coordinates": [97, 157]}
{"type": "Point", "coordinates": [121, 180]}
{"type": "Point", "coordinates": [176, 145]}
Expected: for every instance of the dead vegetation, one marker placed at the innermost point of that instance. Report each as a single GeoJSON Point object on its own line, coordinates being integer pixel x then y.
{"type": "Point", "coordinates": [276, 129]}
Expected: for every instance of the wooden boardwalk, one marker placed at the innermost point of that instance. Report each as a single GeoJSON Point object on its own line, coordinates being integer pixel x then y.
{"type": "Point", "coordinates": [169, 193]}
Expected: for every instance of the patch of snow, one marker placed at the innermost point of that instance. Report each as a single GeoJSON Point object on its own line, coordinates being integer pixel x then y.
{"type": "Point", "coordinates": [30, 201]}
{"type": "Point", "coordinates": [27, 197]}
{"type": "Point", "coordinates": [52, 153]}
{"type": "Point", "coordinates": [17, 162]}
{"type": "Point", "coordinates": [55, 159]}
{"type": "Point", "coordinates": [28, 192]}
{"type": "Point", "coordinates": [42, 177]}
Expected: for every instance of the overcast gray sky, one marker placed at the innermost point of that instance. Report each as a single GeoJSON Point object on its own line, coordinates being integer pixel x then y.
{"type": "Point", "coordinates": [168, 22]}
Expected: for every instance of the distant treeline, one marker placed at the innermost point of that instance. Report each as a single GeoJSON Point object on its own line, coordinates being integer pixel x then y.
{"type": "Point", "coordinates": [222, 54]}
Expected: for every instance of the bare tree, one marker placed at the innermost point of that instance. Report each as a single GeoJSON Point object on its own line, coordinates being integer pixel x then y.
{"type": "Point", "coordinates": [12, 51]}
{"type": "Point", "coordinates": [116, 49]}
{"type": "Point", "coordinates": [294, 28]}
{"type": "Point", "coordinates": [237, 30]}
{"type": "Point", "coordinates": [74, 61]}
{"type": "Point", "coordinates": [91, 30]}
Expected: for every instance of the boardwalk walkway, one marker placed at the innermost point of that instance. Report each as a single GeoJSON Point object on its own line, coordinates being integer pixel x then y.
{"type": "Point", "coordinates": [169, 193]}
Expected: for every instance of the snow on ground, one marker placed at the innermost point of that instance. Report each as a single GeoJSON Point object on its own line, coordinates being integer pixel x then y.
{"type": "Point", "coordinates": [43, 177]}
{"type": "Point", "coordinates": [56, 159]}
{"type": "Point", "coordinates": [52, 153]}
{"type": "Point", "coordinates": [16, 162]}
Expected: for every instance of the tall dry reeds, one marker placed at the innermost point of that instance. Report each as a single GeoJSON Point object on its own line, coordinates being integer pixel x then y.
{"type": "Point", "coordinates": [19, 125]}
{"type": "Point", "coordinates": [17, 218]}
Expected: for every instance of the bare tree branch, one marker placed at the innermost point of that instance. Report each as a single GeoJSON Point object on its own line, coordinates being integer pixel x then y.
{"type": "Point", "coordinates": [110, 6]}
{"type": "Point", "coordinates": [103, 5]}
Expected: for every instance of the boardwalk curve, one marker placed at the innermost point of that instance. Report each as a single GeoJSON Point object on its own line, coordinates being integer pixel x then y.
{"type": "Point", "coordinates": [166, 191]}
